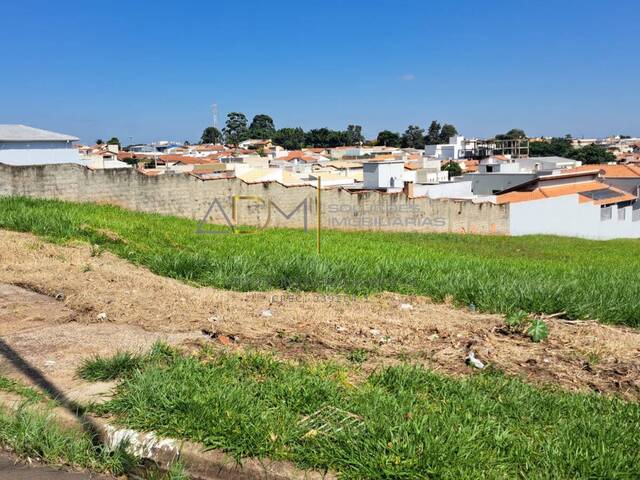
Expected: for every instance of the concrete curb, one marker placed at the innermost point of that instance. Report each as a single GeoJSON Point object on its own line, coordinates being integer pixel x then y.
{"type": "Point", "coordinates": [199, 463]}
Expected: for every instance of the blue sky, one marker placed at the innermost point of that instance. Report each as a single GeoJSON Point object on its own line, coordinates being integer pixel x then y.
{"type": "Point", "coordinates": [151, 70]}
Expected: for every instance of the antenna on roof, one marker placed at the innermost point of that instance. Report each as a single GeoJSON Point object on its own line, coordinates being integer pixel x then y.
{"type": "Point", "coordinates": [214, 110]}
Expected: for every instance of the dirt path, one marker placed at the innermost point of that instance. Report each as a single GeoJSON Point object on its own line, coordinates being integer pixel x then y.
{"type": "Point", "coordinates": [105, 303]}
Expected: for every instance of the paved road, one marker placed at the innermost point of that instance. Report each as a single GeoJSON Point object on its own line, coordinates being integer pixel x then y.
{"type": "Point", "coordinates": [10, 470]}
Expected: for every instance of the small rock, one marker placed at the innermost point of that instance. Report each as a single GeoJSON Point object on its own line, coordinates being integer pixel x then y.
{"type": "Point", "coordinates": [213, 318]}
{"type": "Point", "coordinates": [472, 307]}
{"type": "Point", "coordinates": [59, 296]}
{"type": "Point", "coordinates": [433, 338]}
{"type": "Point", "coordinates": [49, 363]}
{"type": "Point", "coordinates": [471, 360]}
{"type": "Point", "coordinates": [267, 313]}
{"type": "Point", "coordinates": [224, 340]}
{"type": "Point", "coordinates": [406, 306]}
{"type": "Point", "coordinates": [102, 317]}
{"type": "Point", "coordinates": [340, 328]}
{"type": "Point", "coordinates": [374, 332]}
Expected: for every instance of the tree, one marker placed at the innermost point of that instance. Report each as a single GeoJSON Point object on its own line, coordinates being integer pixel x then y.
{"type": "Point", "coordinates": [389, 139]}
{"type": "Point", "coordinates": [433, 134]}
{"type": "Point", "coordinates": [592, 154]}
{"type": "Point", "coordinates": [114, 141]}
{"type": "Point", "coordinates": [353, 135]}
{"type": "Point", "coordinates": [235, 130]}
{"type": "Point", "coordinates": [513, 134]}
{"type": "Point", "coordinates": [99, 141]}
{"type": "Point", "coordinates": [447, 132]}
{"type": "Point", "coordinates": [262, 127]}
{"type": "Point", "coordinates": [290, 138]}
{"type": "Point", "coordinates": [413, 137]}
{"type": "Point", "coordinates": [337, 138]}
{"type": "Point", "coordinates": [556, 147]}
{"type": "Point", "coordinates": [453, 168]}
{"type": "Point", "coordinates": [211, 135]}
{"type": "Point", "coordinates": [318, 137]}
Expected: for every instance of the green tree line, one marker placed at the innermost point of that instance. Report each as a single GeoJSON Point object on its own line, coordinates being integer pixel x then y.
{"type": "Point", "coordinates": [237, 129]}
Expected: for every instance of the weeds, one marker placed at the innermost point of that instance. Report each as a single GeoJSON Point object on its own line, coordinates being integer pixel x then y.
{"type": "Point", "coordinates": [520, 322]}
{"type": "Point", "coordinates": [33, 434]}
{"type": "Point", "coordinates": [399, 422]}
{"type": "Point", "coordinates": [538, 330]}
{"type": "Point", "coordinates": [359, 355]}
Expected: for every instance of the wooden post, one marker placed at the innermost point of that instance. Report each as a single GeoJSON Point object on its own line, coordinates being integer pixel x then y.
{"type": "Point", "coordinates": [319, 219]}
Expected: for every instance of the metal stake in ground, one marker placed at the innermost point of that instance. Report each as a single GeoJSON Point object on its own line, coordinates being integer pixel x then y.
{"type": "Point", "coordinates": [319, 220]}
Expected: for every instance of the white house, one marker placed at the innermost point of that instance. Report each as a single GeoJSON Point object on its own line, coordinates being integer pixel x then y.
{"type": "Point", "coordinates": [575, 204]}
{"type": "Point", "coordinates": [23, 145]}
{"type": "Point", "coordinates": [453, 150]}
{"type": "Point", "coordinates": [387, 174]}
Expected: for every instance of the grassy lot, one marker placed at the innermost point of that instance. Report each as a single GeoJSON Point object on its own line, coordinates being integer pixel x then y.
{"type": "Point", "coordinates": [586, 279]}
{"type": "Point", "coordinates": [399, 422]}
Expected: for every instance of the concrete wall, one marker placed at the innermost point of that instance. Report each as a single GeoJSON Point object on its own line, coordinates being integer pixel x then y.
{"type": "Point", "coordinates": [187, 196]}
{"type": "Point", "coordinates": [566, 216]}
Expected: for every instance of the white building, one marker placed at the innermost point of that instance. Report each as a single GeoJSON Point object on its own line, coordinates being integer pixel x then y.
{"type": "Point", "coordinates": [576, 205]}
{"type": "Point", "coordinates": [453, 150]}
{"type": "Point", "coordinates": [23, 145]}
{"type": "Point", "coordinates": [387, 174]}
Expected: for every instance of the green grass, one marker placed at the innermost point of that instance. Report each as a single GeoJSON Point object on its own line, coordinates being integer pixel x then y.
{"type": "Point", "coordinates": [13, 386]}
{"type": "Point", "coordinates": [104, 369]}
{"type": "Point", "coordinates": [31, 433]}
{"type": "Point", "coordinates": [400, 422]}
{"type": "Point", "coordinates": [585, 279]}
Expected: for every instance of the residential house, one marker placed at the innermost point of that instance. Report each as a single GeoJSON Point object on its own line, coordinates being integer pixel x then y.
{"type": "Point", "coordinates": [577, 204]}
{"type": "Point", "coordinates": [23, 145]}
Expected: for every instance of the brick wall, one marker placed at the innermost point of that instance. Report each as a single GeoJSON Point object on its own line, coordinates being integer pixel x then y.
{"type": "Point", "coordinates": [187, 196]}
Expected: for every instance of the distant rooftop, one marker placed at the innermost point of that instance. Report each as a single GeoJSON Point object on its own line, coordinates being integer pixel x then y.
{"type": "Point", "coordinates": [23, 133]}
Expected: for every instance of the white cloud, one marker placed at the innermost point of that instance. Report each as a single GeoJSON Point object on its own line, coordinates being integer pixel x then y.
{"type": "Point", "coordinates": [407, 77]}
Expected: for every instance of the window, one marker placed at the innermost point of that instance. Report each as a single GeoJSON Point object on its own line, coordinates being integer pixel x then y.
{"type": "Point", "coordinates": [622, 213]}
{"type": "Point", "coordinates": [606, 213]}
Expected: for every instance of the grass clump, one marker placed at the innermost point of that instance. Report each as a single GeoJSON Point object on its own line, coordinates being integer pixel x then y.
{"type": "Point", "coordinates": [536, 274]}
{"type": "Point", "coordinates": [400, 422]}
{"type": "Point", "coordinates": [34, 434]}
{"type": "Point", "coordinates": [101, 368]}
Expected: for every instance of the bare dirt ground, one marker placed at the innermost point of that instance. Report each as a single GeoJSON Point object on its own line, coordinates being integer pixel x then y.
{"type": "Point", "coordinates": [95, 304]}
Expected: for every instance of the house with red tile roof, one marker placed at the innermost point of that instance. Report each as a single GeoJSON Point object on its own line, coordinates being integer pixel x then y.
{"type": "Point", "coordinates": [578, 204]}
